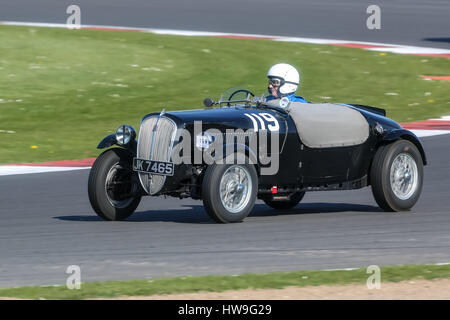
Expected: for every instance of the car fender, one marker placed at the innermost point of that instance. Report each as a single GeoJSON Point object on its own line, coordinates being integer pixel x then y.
{"type": "Point", "coordinates": [407, 135]}
{"type": "Point", "coordinates": [229, 149]}
{"type": "Point", "coordinates": [107, 141]}
{"type": "Point", "coordinates": [111, 140]}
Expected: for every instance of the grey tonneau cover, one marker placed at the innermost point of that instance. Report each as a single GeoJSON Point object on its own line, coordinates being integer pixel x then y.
{"type": "Point", "coordinates": [323, 125]}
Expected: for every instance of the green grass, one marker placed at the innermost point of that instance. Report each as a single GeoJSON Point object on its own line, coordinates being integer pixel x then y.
{"type": "Point", "coordinates": [276, 280]}
{"type": "Point", "coordinates": [62, 91]}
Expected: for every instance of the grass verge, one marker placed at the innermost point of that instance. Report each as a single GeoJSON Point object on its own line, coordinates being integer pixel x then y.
{"type": "Point", "coordinates": [62, 91]}
{"type": "Point", "coordinates": [276, 280]}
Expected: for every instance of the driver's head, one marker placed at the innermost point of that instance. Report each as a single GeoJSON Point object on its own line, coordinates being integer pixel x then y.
{"type": "Point", "coordinates": [283, 80]}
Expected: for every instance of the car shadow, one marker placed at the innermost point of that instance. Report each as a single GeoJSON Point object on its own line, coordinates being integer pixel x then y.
{"type": "Point", "coordinates": [314, 208]}
{"type": "Point", "coordinates": [186, 214]}
{"type": "Point", "coordinates": [438, 39]}
{"type": "Point", "coordinates": [195, 214]}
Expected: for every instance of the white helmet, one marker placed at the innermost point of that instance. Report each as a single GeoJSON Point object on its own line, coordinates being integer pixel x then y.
{"type": "Point", "coordinates": [288, 75]}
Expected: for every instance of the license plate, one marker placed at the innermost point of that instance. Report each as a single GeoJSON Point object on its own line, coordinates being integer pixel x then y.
{"type": "Point", "coordinates": [154, 167]}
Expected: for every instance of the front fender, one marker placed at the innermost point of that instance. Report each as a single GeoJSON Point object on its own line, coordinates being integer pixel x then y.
{"type": "Point", "coordinates": [110, 140]}
{"type": "Point", "coordinates": [407, 135]}
{"type": "Point", "coordinates": [229, 149]}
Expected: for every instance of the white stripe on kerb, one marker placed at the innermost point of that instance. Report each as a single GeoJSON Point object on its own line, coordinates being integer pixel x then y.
{"type": "Point", "coordinates": [428, 133]}
{"type": "Point", "coordinates": [444, 118]}
{"type": "Point", "coordinates": [411, 50]}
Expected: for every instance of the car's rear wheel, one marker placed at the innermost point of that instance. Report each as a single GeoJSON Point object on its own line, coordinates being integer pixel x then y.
{"type": "Point", "coordinates": [113, 187]}
{"type": "Point", "coordinates": [397, 176]}
{"type": "Point", "coordinates": [284, 204]}
{"type": "Point", "coordinates": [229, 191]}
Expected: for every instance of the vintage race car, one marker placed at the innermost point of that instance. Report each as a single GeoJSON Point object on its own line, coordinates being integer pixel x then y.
{"type": "Point", "coordinates": [249, 148]}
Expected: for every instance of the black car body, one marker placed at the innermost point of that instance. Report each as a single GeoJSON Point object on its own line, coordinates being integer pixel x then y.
{"type": "Point", "coordinates": [319, 147]}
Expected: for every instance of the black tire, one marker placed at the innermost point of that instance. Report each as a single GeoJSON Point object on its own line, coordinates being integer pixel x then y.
{"type": "Point", "coordinates": [380, 176]}
{"type": "Point", "coordinates": [212, 196]}
{"type": "Point", "coordinates": [110, 201]}
{"type": "Point", "coordinates": [284, 204]}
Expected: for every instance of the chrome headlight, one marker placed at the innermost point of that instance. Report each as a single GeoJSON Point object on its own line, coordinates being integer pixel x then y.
{"type": "Point", "coordinates": [125, 134]}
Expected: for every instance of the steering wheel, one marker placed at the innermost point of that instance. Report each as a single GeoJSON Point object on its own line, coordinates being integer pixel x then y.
{"type": "Point", "coordinates": [238, 91]}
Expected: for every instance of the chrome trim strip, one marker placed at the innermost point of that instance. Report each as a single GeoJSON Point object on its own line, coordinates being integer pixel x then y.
{"type": "Point", "coordinates": [137, 150]}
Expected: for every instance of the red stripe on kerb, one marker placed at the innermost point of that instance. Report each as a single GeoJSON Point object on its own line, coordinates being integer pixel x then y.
{"type": "Point", "coordinates": [357, 45]}
{"type": "Point", "coordinates": [63, 163]}
{"type": "Point", "coordinates": [427, 125]}
{"type": "Point", "coordinates": [443, 55]}
{"type": "Point", "coordinates": [444, 78]}
{"type": "Point", "coordinates": [245, 37]}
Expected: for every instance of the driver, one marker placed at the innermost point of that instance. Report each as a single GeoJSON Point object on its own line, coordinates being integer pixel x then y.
{"type": "Point", "coordinates": [283, 81]}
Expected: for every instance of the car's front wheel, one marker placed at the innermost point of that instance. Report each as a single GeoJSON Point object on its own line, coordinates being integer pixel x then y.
{"type": "Point", "coordinates": [113, 187]}
{"type": "Point", "coordinates": [229, 191]}
{"type": "Point", "coordinates": [397, 176]}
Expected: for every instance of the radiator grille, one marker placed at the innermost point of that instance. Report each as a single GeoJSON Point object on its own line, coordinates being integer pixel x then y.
{"type": "Point", "coordinates": [155, 143]}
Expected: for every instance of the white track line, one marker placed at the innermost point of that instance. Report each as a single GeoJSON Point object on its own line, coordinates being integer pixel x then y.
{"type": "Point", "coordinates": [394, 48]}
{"type": "Point", "coordinates": [12, 170]}
{"type": "Point", "coordinates": [351, 269]}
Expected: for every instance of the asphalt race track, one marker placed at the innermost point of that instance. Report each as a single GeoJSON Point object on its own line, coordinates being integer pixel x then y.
{"type": "Point", "coordinates": [47, 224]}
{"type": "Point", "coordinates": [408, 22]}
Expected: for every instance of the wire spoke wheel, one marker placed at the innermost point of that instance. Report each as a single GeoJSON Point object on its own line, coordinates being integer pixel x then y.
{"type": "Point", "coordinates": [404, 176]}
{"type": "Point", "coordinates": [229, 191]}
{"type": "Point", "coordinates": [235, 188]}
{"type": "Point", "coordinates": [396, 176]}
